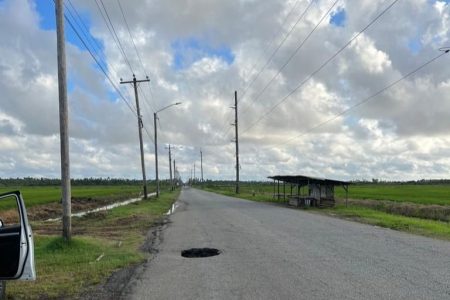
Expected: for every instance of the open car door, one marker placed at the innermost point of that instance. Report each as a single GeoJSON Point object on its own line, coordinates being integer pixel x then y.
{"type": "Point", "coordinates": [16, 239]}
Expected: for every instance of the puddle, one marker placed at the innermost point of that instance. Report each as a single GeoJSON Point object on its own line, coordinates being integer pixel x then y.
{"type": "Point", "coordinates": [172, 209]}
{"type": "Point", "coordinates": [103, 208]}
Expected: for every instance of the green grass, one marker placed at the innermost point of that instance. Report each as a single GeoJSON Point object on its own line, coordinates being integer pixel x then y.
{"type": "Point", "coordinates": [419, 194]}
{"type": "Point", "coordinates": [408, 224]}
{"type": "Point", "coordinates": [66, 269]}
{"type": "Point", "coordinates": [43, 195]}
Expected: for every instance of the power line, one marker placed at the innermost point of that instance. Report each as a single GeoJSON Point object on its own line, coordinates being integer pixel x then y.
{"type": "Point", "coordinates": [295, 52]}
{"type": "Point", "coordinates": [273, 53]}
{"type": "Point", "coordinates": [100, 66]}
{"type": "Point", "coordinates": [112, 31]}
{"type": "Point", "coordinates": [84, 30]}
{"type": "Point", "coordinates": [367, 99]}
{"type": "Point", "coordinates": [269, 45]}
{"type": "Point", "coordinates": [131, 36]}
{"type": "Point", "coordinates": [137, 53]}
{"type": "Point", "coordinates": [96, 59]}
{"type": "Point", "coordinates": [321, 66]}
{"type": "Point", "coordinates": [149, 135]}
{"type": "Point", "coordinates": [117, 37]}
{"type": "Point", "coordinates": [95, 46]}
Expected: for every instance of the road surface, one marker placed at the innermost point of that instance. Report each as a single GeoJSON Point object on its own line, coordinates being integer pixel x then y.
{"type": "Point", "coordinates": [273, 252]}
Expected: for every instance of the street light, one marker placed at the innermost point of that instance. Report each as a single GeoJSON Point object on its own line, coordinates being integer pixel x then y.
{"type": "Point", "coordinates": [156, 143]}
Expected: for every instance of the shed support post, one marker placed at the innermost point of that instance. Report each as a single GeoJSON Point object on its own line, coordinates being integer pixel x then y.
{"type": "Point", "coordinates": [278, 190]}
{"type": "Point", "coordinates": [273, 197]}
{"type": "Point", "coordinates": [284, 190]}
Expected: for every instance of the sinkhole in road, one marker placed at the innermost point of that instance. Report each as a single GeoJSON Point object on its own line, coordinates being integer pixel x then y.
{"type": "Point", "coordinates": [200, 252]}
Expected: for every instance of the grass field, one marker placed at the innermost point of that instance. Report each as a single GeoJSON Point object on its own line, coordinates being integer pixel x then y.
{"type": "Point", "coordinates": [43, 195]}
{"type": "Point", "coordinates": [431, 228]}
{"type": "Point", "coordinates": [66, 269]}
{"type": "Point", "coordinates": [419, 194]}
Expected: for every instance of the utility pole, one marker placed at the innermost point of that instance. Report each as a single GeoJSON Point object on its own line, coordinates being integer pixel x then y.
{"type": "Point", "coordinates": [140, 125]}
{"type": "Point", "coordinates": [194, 172]}
{"type": "Point", "coordinates": [191, 176]}
{"type": "Point", "coordinates": [201, 164]}
{"type": "Point", "coordinates": [156, 154]}
{"type": "Point", "coordinates": [236, 140]}
{"type": "Point", "coordinates": [63, 123]}
{"type": "Point", "coordinates": [174, 173]}
{"type": "Point", "coordinates": [170, 168]}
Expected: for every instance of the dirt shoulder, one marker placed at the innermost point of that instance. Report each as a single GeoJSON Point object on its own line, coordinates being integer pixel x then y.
{"type": "Point", "coordinates": [119, 281]}
{"type": "Point", "coordinates": [79, 204]}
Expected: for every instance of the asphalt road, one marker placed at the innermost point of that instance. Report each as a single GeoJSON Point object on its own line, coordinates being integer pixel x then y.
{"type": "Point", "coordinates": [273, 252]}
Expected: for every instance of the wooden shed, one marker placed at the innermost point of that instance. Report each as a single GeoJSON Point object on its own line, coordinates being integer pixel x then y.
{"type": "Point", "coordinates": [307, 191]}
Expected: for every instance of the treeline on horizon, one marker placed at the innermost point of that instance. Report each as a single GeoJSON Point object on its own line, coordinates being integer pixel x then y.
{"type": "Point", "coordinates": [30, 181]}
{"type": "Point", "coordinates": [357, 181]}
{"type": "Point", "coordinates": [91, 181]}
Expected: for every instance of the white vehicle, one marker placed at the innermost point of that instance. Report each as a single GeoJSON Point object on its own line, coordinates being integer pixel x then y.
{"type": "Point", "coordinates": [16, 241]}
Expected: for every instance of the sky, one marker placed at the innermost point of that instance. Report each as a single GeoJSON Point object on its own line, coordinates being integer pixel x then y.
{"type": "Point", "coordinates": [316, 96]}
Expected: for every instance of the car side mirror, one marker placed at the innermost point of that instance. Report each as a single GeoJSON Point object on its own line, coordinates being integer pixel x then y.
{"type": "Point", "coordinates": [16, 239]}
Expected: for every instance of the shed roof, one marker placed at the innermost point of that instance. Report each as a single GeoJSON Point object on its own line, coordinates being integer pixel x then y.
{"type": "Point", "coordinates": [305, 180]}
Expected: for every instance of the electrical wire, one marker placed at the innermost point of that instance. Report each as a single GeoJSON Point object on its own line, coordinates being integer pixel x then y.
{"type": "Point", "coordinates": [296, 51]}
{"type": "Point", "coordinates": [95, 47]}
{"type": "Point", "coordinates": [301, 16]}
{"type": "Point", "coordinates": [269, 45]}
{"type": "Point", "coordinates": [309, 77]}
{"type": "Point", "coordinates": [367, 99]}
{"type": "Point", "coordinates": [112, 31]}
{"type": "Point", "coordinates": [137, 53]}
{"type": "Point", "coordinates": [100, 66]}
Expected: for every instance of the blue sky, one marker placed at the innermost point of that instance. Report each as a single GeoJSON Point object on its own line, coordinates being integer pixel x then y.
{"type": "Point", "coordinates": [338, 18]}
{"type": "Point", "coordinates": [46, 11]}
{"type": "Point", "coordinates": [188, 51]}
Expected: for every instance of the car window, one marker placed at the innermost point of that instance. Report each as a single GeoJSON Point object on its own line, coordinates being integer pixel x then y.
{"type": "Point", "coordinates": [9, 212]}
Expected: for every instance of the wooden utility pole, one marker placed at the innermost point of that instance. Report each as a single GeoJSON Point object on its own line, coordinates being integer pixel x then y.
{"type": "Point", "coordinates": [156, 154]}
{"type": "Point", "coordinates": [63, 122]}
{"type": "Point", "coordinates": [140, 126]}
{"type": "Point", "coordinates": [174, 173]}
{"type": "Point", "coordinates": [170, 168]}
{"type": "Point", "coordinates": [201, 164]}
{"type": "Point", "coordinates": [236, 140]}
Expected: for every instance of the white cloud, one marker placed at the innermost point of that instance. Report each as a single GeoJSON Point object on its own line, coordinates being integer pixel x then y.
{"type": "Point", "coordinates": [371, 59]}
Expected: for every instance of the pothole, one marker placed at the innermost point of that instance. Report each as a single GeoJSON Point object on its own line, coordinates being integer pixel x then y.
{"type": "Point", "coordinates": [200, 252]}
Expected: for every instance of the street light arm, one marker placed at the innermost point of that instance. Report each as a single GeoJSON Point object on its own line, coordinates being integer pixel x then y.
{"type": "Point", "coordinates": [166, 107]}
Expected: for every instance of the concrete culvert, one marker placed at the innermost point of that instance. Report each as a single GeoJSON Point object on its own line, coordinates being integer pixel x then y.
{"type": "Point", "coordinates": [200, 252]}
